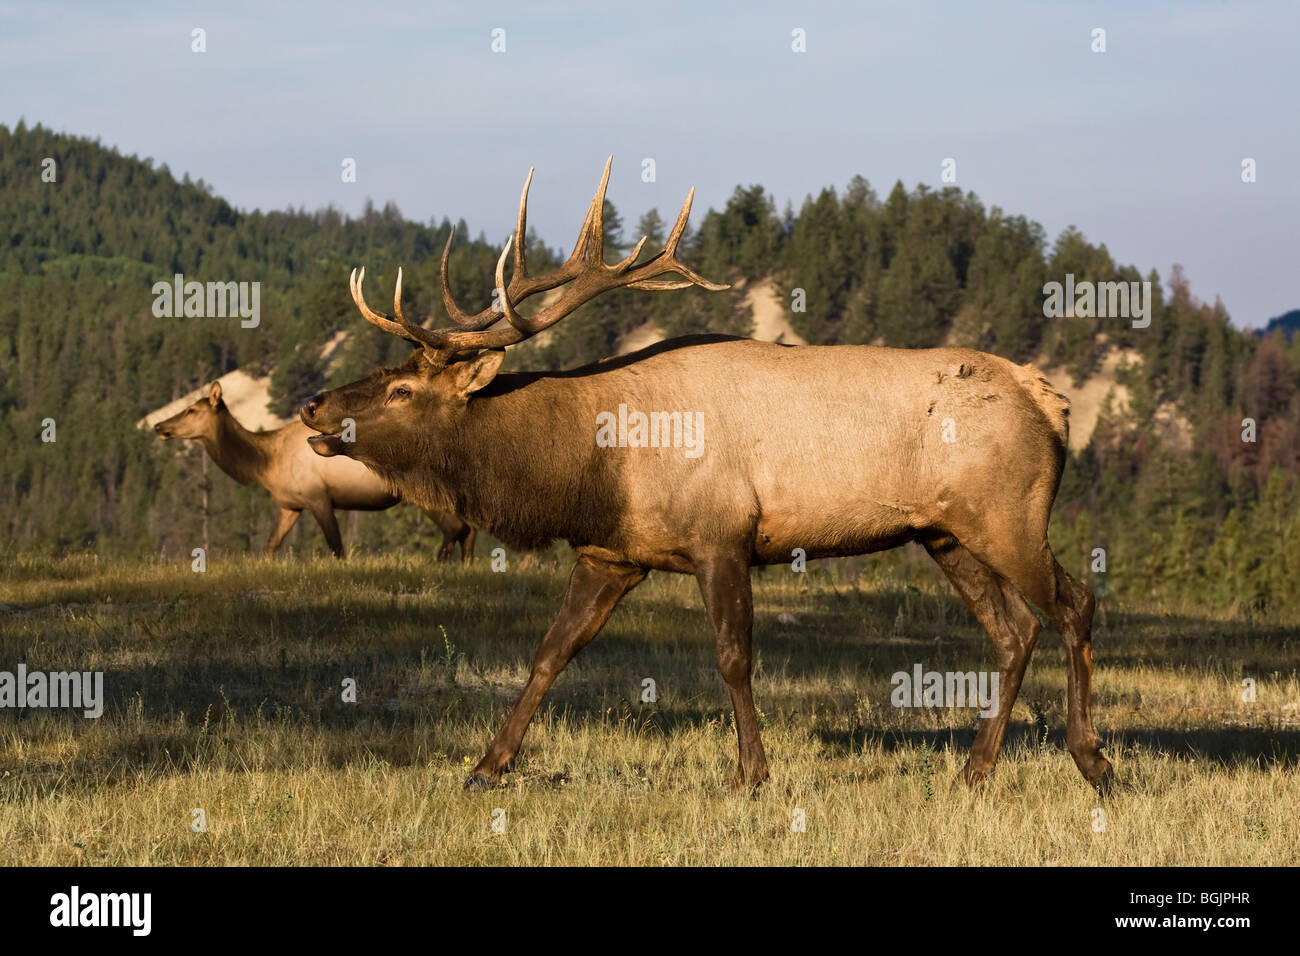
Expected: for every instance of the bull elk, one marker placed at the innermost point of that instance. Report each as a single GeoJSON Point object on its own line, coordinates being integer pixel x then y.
{"type": "Point", "coordinates": [837, 450]}
{"type": "Point", "coordinates": [282, 463]}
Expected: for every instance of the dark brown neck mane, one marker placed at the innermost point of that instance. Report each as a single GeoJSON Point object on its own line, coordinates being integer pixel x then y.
{"type": "Point", "coordinates": [544, 485]}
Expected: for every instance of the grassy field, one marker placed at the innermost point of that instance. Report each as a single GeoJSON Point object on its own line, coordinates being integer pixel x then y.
{"type": "Point", "coordinates": [224, 692]}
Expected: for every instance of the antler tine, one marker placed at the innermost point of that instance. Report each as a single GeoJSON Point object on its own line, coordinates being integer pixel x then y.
{"type": "Point", "coordinates": [573, 264]}
{"type": "Point", "coordinates": [355, 282]}
{"type": "Point", "coordinates": [521, 327]}
{"type": "Point", "coordinates": [397, 298]}
{"type": "Point", "coordinates": [521, 232]}
{"type": "Point", "coordinates": [407, 330]}
{"type": "Point", "coordinates": [449, 303]}
{"type": "Point", "coordinates": [413, 331]}
{"type": "Point", "coordinates": [679, 227]}
{"type": "Point", "coordinates": [524, 284]}
{"type": "Point", "coordinates": [513, 317]}
{"type": "Point", "coordinates": [670, 263]}
{"type": "Point", "coordinates": [595, 245]}
{"type": "Point", "coordinates": [626, 263]}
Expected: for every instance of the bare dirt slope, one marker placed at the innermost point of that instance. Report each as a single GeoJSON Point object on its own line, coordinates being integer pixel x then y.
{"type": "Point", "coordinates": [1089, 397]}
{"type": "Point", "coordinates": [770, 320]}
{"type": "Point", "coordinates": [247, 397]}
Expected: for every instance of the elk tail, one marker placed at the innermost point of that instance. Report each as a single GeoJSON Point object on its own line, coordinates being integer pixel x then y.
{"type": "Point", "coordinates": [1054, 406]}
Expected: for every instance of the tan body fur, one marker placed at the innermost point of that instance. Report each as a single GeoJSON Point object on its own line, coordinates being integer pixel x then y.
{"type": "Point", "coordinates": [834, 462]}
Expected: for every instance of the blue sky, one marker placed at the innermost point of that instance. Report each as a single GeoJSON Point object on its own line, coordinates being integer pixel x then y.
{"type": "Point", "coordinates": [1140, 146]}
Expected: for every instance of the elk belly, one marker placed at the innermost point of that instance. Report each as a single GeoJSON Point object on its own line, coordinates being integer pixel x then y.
{"type": "Point", "coordinates": [830, 533]}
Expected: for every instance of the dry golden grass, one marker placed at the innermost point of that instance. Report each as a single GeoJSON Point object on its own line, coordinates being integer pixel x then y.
{"type": "Point", "coordinates": [224, 693]}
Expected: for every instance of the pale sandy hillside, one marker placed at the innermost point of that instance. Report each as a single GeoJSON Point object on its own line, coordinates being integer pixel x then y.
{"type": "Point", "coordinates": [647, 333]}
{"type": "Point", "coordinates": [246, 397]}
{"type": "Point", "coordinates": [1089, 398]}
{"type": "Point", "coordinates": [332, 351]}
{"type": "Point", "coordinates": [770, 321]}
{"type": "Point", "coordinates": [770, 317]}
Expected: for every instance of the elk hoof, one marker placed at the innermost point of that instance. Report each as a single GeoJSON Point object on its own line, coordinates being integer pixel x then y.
{"type": "Point", "coordinates": [972, 777]}
{"type": "Point", "coordinates": [481, 781]}
{"type": "Point", "coordinates": [1104, 781]}
{"type": "Point", "coordinates": [1095, 768]}
{"type": "Point", "coordinates": [740, 783]}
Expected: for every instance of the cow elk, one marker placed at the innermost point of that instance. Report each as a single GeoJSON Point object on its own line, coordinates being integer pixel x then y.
{"type": "Point", "coordinates": [835, 450]}
{"type": "Point", "coordinates": [282, 463]}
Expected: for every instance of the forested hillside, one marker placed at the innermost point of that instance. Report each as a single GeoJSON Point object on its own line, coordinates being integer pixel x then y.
{"type": "Point", "coordinates": [1215, 524]}
{"type": "Point", "coordinates": [1287, 324]}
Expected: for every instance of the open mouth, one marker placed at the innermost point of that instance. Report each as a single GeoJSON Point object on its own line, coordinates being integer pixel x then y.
{"type": "Point", "coordinates": [326, 444]}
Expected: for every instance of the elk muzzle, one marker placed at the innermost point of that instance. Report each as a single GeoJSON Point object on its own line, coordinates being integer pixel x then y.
{"type": "Point", "coordinates": [328, 443]}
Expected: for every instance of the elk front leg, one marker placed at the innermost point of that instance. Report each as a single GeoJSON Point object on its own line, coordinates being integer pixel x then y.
{"type": "Point", "coordinates": [595, 587]}
{"type": "Point", "coordinates": [288, 517]}
{"type": "Point", "coordinates": [329, 524]}
{"type": "Point", "coordinates": [467, 546]}
{"type": "Point", "coordinates": [724, 582]}
{"type": "Point", "coordinates": [452, 529]}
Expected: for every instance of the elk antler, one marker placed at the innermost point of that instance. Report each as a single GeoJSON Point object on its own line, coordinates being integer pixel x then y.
{"type": "Point", "coordinates": [401, 326]}
{"type": "Point", "coordinates": [585, 274]}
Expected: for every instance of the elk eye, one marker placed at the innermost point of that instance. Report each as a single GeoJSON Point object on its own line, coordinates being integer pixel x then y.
{"type": "Point", "coordinates": [401, 392]}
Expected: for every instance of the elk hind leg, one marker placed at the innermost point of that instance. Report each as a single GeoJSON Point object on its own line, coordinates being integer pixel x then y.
{"type": "Point", "coordinates": [1069, 605]}
{"type": "Point", "coordinates": [1007, 618]}
{"type": "Point", "coordinates": [1076, 605]}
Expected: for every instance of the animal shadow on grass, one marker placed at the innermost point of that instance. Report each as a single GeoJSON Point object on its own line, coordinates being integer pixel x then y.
{"type": "Point", "coordinates": [413, 704]}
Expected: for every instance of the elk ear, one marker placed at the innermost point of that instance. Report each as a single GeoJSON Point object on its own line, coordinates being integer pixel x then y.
{"type": "Point", "coordinates": [214, 395]}
{"type": "Point", "coordinates": [470, 376]}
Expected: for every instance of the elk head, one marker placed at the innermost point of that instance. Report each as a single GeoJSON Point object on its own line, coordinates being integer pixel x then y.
{"type": "Point", "coordinates": [197, 421]}
{"type": "Point", "coordinates": [396, 417]}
